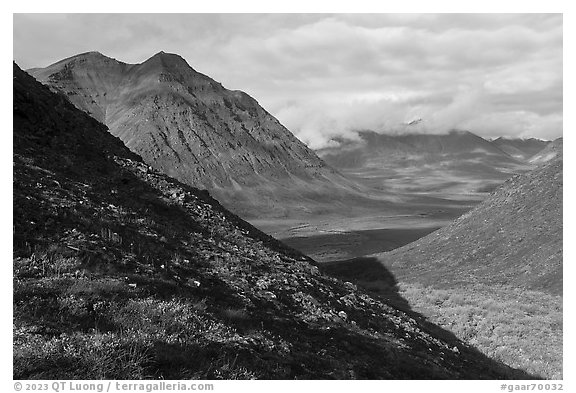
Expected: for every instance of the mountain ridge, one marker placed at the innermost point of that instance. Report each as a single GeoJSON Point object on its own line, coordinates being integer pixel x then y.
{"type": "Point", "coordinates": [407, 144]}
{"type": "Point", "coordinates": [457, 166]}
{"type": "Point", "coordinates": [520, 148]}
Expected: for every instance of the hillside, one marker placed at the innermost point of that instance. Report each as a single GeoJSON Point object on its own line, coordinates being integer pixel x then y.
{"type": "Point", "coordinates": [512, 238]}
{"type": "Point", "coordinates": [190, 127]}
{"type": "Point", "coordinates": [121, 272]}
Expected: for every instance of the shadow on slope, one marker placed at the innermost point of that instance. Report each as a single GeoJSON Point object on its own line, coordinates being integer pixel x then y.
{"type": "Point", "coordinates": [370, 274]}
{"type": "Point", "coordinates": [339, 245]}
{"type": "Point", "coordinates": [518, 327]}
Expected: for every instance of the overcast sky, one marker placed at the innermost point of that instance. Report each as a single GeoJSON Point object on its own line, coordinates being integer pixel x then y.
{"type": "Point", "coordinates": [329, 75]}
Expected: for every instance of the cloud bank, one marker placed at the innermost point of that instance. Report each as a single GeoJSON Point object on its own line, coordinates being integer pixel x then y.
{"type": "Point", "coordinates": [327, 76]}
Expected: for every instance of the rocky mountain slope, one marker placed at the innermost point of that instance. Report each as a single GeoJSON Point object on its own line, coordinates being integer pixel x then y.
{"type": "Point", "coordinates": [121, 272]}
{"type": "Point", "coordinates": [191, 128]}
{"type": "Point", "coordinates": [512, 238]}
{"type": "Point", "coordinates": [521, 149]}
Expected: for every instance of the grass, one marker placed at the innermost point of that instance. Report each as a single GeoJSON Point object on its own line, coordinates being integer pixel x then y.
{"type": "Point", "coordinates": [520, 328]}
{"type": "Point", "coordinates": [70, 323]}
{"type": "Point", "coordinates": [104, 328]}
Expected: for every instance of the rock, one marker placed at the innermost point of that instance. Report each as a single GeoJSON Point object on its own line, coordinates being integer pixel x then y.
{"type": "Point", "coordinates": [267, 295]}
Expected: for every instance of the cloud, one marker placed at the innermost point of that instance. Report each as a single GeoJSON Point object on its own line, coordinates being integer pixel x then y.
{"type": "Point", "coordinates": [321, 120]}
{"type": "Point", "coordinates": [317, 122]}
{"type": "Point", "coordinates": [326, 76]}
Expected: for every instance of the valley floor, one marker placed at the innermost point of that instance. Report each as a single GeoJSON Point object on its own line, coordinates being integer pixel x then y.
{"type": "Point", "coordinates": [338, 237]}
{"type": "Point", "coordinates": [422, 199]}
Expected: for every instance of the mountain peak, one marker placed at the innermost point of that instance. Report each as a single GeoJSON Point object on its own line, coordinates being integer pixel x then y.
{"type": "Point", "coordinates": [93, 53]}
{"type": "Point", "coordinates": [90, 54]}
{"type": "Point", "coordinates": [86, 56]}
{"type": "Point", "coordinates": [167, 55]}
{"type": "Point", "coordinates": [169, 60]}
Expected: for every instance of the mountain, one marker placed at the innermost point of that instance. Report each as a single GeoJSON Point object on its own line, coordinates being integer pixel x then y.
{"type": "Point", "coordinates": [552, 150]}
{"type": "Point", "coordinates": [121, 272]}
{"type": "Point", "coordinates": [512, 238]}
{"type": "Point", "coordinates": [454, 165]}
{"type": "Point", "coordinates": [190, 127]}
{"type": "Point", "coordinates": [521, 149]}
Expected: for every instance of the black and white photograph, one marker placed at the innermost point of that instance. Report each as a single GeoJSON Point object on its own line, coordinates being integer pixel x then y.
{"type": "Point", "coordinates": [287, 196]}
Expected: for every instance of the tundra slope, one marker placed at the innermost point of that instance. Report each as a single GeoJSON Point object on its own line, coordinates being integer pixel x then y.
{"type": "Point", "coordinates": [121, 272]}
{"type": "Point", "coordinates": [190, 127]}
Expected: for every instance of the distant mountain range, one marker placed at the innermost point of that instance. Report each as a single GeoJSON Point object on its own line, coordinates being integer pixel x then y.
{"type": "Point", "coordinates": [521, 149]}
{"type": "Point", "coordinates": [190, 127]}
{"type": "Point", "coordinates": [457, 165]}
{"type": "Point", "coordinates": [454, 164]}
{"type": "Point", "coordinates": [375, 149]}
{"type": "Point", "coordinates": [552, 150]}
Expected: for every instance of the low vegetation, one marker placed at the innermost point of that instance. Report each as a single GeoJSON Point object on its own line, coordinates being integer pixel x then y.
{"type": "Point", "coordinates": [105, 328]}
{"type": "Point", "coordinates": [518, 327]}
